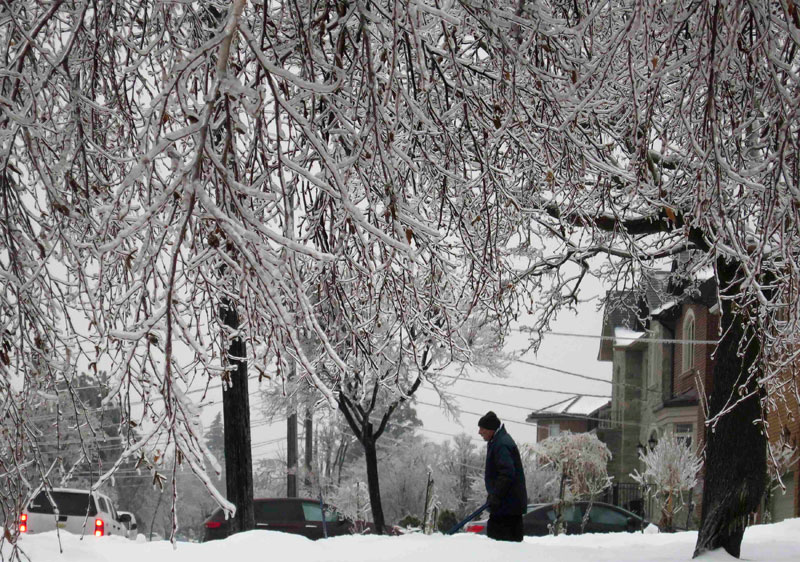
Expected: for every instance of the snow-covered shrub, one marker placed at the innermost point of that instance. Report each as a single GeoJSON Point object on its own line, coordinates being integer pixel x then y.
{"type": "Point", "coordinates": [447, 520]}
{"type": "Point", "coordinates": [541, 481]}
{"type": "Point", "coordinates": [410, 523]}
{"type": "Point", "coordinates": [671, 469]}
{"type": "Point", "coordinates": [352, 500]}
{"type": "Point", "coordinates": [580, 460]}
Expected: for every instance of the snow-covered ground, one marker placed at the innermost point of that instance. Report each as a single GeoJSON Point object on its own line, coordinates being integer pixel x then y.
{"type": "Point", "coordinates": [764, 543]}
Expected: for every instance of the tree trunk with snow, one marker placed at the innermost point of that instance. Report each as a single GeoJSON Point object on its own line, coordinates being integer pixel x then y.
{"type": "Point", "coordinates": [736, 463]}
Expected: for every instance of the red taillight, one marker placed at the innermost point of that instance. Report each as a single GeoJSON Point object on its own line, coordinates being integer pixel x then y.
{"type": "Point", "coordinates": [99, 528]}
{"type": "Point", "coordinates": [23, 523]}
{"type": "Point", "coordinates": [213, 524]}
{"type": "Point", "coordinates": [475, 528]}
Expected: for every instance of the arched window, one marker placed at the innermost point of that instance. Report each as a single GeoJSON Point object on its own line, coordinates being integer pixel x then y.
{"type": "Point", "coordinates": [688, 341]}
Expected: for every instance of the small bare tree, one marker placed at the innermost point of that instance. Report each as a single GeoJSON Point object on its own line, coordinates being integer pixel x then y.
{"type": "Point", "coordinates": [670, 469]}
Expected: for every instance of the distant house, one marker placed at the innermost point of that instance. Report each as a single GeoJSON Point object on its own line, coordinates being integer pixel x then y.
{"type": "Point", "coordinates": [579, 414]}
{"type": "Point", "coordinates": [662, 365]}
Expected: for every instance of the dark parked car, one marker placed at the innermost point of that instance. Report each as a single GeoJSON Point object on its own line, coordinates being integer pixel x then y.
{"type": "Point", "coordinates": [603, 518]}
{"type": "Point", "coordinates": [289, 515]}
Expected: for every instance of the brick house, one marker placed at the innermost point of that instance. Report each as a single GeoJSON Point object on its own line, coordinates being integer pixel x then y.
{"type": "Point", "coordinates": [579, 414]}
{"type": "Point", "coordinates": [657, 340]}
{"type": "Point", "coordinates": [659, 372]}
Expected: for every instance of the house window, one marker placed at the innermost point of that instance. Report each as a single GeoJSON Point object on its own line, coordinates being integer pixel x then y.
{"type": "Point", "coordinates": [684, 433]}
{"type": "Point", "coordinates": [688, 342]}
{"type": "Point", "coordinates": [553, 429]}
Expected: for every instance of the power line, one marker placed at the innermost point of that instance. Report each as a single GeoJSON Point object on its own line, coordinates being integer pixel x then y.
{"type": "Point", "coordinates": [557, 370]}
{"type": "Point", "coordinates": [475, 413]}
{"type": "Point", "coordinates": [493, 401]}
{"type": "Point", "coordinates": [559, 414]}
{"type": "Point", "coordinates": [519, 387]}
{"type": "Point", "coordinates": [642, 387]}
{"type": "Point", "coordinates": [630, 338]}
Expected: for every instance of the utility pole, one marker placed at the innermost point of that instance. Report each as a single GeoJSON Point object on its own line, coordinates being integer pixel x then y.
{"type": "Point", "coordinates": [291, 447]}
{"type": "Point", "coordinates": [309, 427]}
{"type": "Point", "coordinates": [236, 421]}
{"type": "Point", "coordinates": [235, 396]}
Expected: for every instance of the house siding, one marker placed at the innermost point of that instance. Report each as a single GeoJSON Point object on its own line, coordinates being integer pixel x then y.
{"type": "Point", "coordinates": [658, 393]}
{"type": "Point", "coordinates": [629, 377]}
{"type": "Point", "coordinates": [654, 392]}
{"type": "Point", "coordinates": [783, 424]}
{"type": "Point", "coordinates": [685, 380]}
{"type": "Point", "coordinates": [565, 424]}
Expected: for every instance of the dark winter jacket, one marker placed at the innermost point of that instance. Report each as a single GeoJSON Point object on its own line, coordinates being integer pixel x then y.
{"type": "Point", "coordinates": [505, 478]}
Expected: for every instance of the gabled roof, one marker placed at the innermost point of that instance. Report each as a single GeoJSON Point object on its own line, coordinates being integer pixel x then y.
{"type": "Point", "coordinates": [624, 337]}
{"type": "Point", "coordinates": [571, 408]}
{"type": "Point", "coordinates": [667, 306]}
{"type": "Point", "coordinates": [621, 311]}
{"type": "Point", "coordinates": [702, 291]}
{"type": "Point", "coordinates": [627, 312]}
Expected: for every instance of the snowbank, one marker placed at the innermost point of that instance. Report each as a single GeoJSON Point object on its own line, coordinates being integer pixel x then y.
{"type": "Point", "coordinates": [764, 543]}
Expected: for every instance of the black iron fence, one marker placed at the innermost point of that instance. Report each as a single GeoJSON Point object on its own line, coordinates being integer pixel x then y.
{"type": "Point", "coordinates": [627, 495]}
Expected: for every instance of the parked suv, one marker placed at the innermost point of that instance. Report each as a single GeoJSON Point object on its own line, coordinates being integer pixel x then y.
{"type": "Point", "coordinates": [289, 515]}
{"type": "Point", "coordinates": [81, 512]}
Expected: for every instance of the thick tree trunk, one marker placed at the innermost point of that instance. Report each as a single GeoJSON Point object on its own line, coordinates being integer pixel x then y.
{"type": "Point", "coordinates": [236, 421]}
{"type": "Point", "coordinates": [735, 464]}
{"type": "Point", "coordinates": [371, 455]}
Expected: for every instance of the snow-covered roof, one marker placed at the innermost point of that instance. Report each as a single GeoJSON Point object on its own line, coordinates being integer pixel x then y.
{"type": "Point", "coordinates": [577, 406]}
{"type": "Point", "coordinates": [664, 307]}
{"type": "Point", "coordinates": [621, 310]}
{"type": "Point", "coordinates": [624, 337]}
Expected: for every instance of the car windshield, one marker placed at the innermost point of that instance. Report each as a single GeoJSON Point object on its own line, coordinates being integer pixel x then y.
{"type": "Point", "coordinates": [69, 503]}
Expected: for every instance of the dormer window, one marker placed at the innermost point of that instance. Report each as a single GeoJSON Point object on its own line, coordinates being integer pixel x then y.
{"type": "Point", "coordinates": [688, 341]}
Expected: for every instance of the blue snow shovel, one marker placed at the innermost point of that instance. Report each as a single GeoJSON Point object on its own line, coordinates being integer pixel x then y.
{"type": "Point", "coordinates": [467, 519]}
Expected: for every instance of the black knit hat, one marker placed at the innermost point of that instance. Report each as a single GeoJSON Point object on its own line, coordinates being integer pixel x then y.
{"type": "Point", "coordinates": [489, 421]}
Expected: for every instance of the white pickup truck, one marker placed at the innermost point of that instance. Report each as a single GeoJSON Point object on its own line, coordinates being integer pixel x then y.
{"type": "Point", "coordinates": [80, 512]}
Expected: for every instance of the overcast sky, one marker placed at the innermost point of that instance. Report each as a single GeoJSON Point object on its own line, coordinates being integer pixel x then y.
{"type": "Point", "coordinates": [509, 400]}
{"type": "Point", "coordinates": [505, 396]}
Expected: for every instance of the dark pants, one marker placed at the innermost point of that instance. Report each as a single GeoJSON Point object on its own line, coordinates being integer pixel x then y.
{"type": "Point", "coordinates": [505, 528]}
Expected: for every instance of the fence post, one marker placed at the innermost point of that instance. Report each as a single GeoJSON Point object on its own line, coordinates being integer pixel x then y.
{"type": "Point", "coordinates": [428, 499]}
